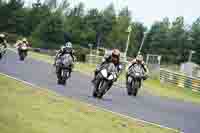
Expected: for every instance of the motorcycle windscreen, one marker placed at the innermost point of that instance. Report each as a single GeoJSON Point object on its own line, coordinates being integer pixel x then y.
{"type": "Point", "coordinates": [67, 60]}
{"type": "Point", "coordinates": [111, 68]}
{"type": "Point", "coordinates": [104, 73]}
{"type": "Point", "coordinates": [137, 70]}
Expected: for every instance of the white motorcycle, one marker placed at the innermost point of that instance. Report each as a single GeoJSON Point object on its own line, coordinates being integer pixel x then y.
{"type": "Point", "coordinates": [104, 80]}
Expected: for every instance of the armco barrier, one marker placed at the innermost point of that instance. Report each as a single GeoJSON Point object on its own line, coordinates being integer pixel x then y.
{"type": "Point", "coordinates": [93, 59]}
{"type": "Point", "coordinates": [180, 80]}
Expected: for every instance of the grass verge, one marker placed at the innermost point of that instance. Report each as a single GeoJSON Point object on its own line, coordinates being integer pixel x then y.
{"type": "Point", "coordinates": [152, 86]}
{"type": "Point", "coordinates": [30, 110]}
{"type": "Point", "coordinates": [171, 91]}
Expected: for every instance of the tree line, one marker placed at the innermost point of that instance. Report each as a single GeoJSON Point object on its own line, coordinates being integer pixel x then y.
{"type": "Point", "coordinates": [49, 23]}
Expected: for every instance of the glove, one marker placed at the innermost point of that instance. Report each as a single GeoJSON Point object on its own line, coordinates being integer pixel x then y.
{"type": "Point", "coordinates": [146, 76]}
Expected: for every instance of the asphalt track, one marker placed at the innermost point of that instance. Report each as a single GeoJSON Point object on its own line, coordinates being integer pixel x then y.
{"type": "Point", "coordinates": [170, 113]}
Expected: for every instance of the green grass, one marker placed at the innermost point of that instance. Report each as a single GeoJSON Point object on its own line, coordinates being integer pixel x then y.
{"type": "Point", "coordinates": [42, 57]}
{"type": "Point", "coordinates": [24, 109]}
{"type": "Point", "coordinates": [152, 86]}
{"type": "Point", "coordinates": [171, 91]}
{"type": "Point", "coordinates": [85, 68]}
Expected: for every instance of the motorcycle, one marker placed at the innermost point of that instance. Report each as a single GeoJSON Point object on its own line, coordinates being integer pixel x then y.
{"type": "Point", "coordinates": [2, 51]}
{"type": "Point", "coordinates": [104, 80]}
{"type": "Point", "coordinates": [22, 51]}
{"type": "Point", "coordinates": [135, 77]}
{"type": "Point", "coordinates": [63, 66]}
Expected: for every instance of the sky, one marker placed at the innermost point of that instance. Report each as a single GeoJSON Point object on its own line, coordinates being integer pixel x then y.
{"type": "Point", "coordinates": [149, 11]}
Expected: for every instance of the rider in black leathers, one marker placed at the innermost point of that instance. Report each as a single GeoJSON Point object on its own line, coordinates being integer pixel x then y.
{"type": "Point", "coordinates": [66, 49]}
{"type": "Point", "coordinates": [3, 40]}
{"type": "Point", "coordinates": [113, 57]}
{"type": "Point", "coordinates": [138, 60]}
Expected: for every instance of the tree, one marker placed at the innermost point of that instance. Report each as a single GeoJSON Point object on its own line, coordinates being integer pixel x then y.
{"type": "Point", "coordinates": [9, 15]}
{"type": "Point", "coordinates": [49, 34]}
{"type": "Point", "coordinates": [195, 34]}
{"type": "Point", "coordinates": [118, 35]}
{"type": "Point", "coordinates": [78, 10]}
{"type": "Point", "coordinates": [157, 37]}
{"type": "Point", "coordinates": [36, 15]}
{"type": "Point", "coordinates": [170, 41]}
{"type": "Point", "coordinates": [136, 39]}
{"type": "Point", "coordinates": [179, 39]}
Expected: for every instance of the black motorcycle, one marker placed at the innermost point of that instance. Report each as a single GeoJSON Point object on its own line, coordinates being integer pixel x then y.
{"type": "Point", "coordinates": [63, 68]}
{"type": "Point", "coordinates": [104, 80]}
{"type": "Point", "coordinates": [135, 77]}
{"type": "Point", "coordinates": [23, 52]}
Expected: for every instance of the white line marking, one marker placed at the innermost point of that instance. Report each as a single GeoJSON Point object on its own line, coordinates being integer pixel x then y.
{"type": "Point", "coordinates": [100, 108]}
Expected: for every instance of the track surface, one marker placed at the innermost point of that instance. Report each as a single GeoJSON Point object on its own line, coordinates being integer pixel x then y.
{"type": "Point", "coordinates": [166, 112]}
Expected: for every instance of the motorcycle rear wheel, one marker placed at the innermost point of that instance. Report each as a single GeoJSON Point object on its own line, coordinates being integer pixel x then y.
{"type": "Point", "coordinates": [130, 87]}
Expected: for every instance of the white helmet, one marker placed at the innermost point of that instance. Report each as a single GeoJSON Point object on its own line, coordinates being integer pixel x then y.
{"type": "Point", "coordinates": [139, 57]}
{"type": "Point", "coordinates": [62, 47]}
{"type": "Point", "coordinates": [68, 45]}
{"type": "Point", "coordinates": [24, 40]}
{"type": "Point", "coordinates": [2, 36]}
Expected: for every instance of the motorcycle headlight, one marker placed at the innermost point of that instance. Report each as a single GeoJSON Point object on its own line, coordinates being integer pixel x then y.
{"type": "Point", "coordinates": [111, 77]}
{"type": "Point", "coordinates": [120, 67]}
{"type": "Point", "coordinates": [104, 73]}
{"type": "Point", "coordinates": [137, 74]}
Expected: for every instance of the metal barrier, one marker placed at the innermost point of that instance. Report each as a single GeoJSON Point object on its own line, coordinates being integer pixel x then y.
{"type": "Point", "coordinates": [93, 59]}
{"type": "Point", "coordinates": [179, 80]}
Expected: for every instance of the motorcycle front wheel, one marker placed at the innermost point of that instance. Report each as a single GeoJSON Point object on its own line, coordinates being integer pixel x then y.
{"type": "Point", "coordinates": [103, 88]}
{"type": "Point", "coordinates": [137, 84]}
{"type": "Point", "coordinates": [129, 86]}
{"type": "Point", "coordinates": [21, 56]}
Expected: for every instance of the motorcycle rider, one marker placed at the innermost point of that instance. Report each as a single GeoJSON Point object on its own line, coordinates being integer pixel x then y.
{"type": "Point", "coordinates": [3, 40]}
{"type": "Point", "coordinates": [113, 57]}
{"type": "Point", "coordinates": [66, 49]}
{"type": "Point", "coordinates": [138, 60]}
{"type": "Point", "coordinates": [22, 42]}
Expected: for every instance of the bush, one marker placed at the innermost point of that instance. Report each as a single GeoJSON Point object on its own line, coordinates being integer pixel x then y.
{"type": "Point", "coordinates": [36, 43]}
{"type": "Point", "coordinates": [101, 52]}
{"type": "Point", "coordinates": [81, 54]}
{"type": "Point", "coordinates": [12, 38]}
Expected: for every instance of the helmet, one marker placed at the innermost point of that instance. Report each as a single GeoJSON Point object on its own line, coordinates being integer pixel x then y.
{"type": "Point", "coordinates": [2, 36]}
{"type": "Point", "coordinates": [139, 58]}
{"type": "Point", "coordinates": [24, 40]}
{"type": "Point", "coordinates": [62, 48]}
{"type": "Point", "coordinates": [115, 56]}
{"type": "Point", "coordinates": [116, 53]}
{"type": "Point", "coordinates": [68, 45]}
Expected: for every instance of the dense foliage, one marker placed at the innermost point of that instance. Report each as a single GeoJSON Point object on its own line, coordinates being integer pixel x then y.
{"type": "Point", "coordinates": [47, 23]}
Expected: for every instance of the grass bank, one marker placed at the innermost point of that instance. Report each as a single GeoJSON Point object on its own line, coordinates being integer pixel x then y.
{"type": "Point", "coordinates": [25, 109]}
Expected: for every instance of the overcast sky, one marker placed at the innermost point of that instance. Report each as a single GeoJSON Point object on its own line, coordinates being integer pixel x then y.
{"type": "Point", "coordinates": [148, 11]}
